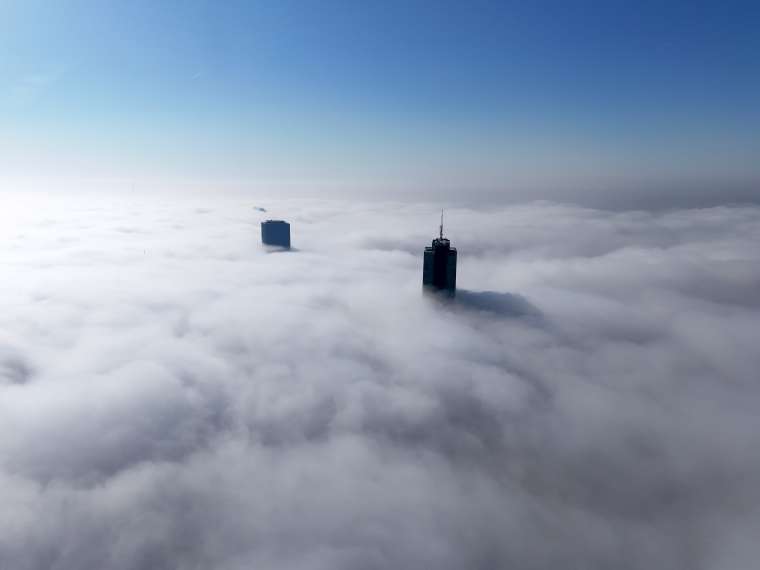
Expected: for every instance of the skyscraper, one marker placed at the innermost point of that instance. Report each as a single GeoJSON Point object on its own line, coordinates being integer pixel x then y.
{"type": "Point", "coordinates": [439, 270]}
{"type": "Point", "coordinates": [275, 232]}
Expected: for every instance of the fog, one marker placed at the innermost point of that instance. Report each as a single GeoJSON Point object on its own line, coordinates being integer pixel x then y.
{"type": "Point", "coordinates": [173, 395]}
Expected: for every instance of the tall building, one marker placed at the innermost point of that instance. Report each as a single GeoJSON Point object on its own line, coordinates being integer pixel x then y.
{"type": "Point", "coordinates": [275, 232]}
{"type": "Point", "coordinates": [439, 270]}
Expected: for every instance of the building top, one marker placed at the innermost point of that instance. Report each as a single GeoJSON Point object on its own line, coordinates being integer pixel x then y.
{"type": "Point", "coordinates": [275, 222]}
{"type": "Point", "coordinates": [441, 242]}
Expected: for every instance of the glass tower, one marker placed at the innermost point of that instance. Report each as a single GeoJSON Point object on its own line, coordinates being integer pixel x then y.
{"type": "Point", "coordinates": [439, 269]}
{"type": "Point", "coordinates": [275, 232]}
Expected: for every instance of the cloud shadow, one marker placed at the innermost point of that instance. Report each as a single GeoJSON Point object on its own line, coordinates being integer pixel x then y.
{"type": "Point", "coordinates": [508, 305]}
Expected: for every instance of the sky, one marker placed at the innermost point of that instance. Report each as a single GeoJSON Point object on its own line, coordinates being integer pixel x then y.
{"type": "Point", "coordinates": [174, 395]}
{"type": "Point", "coordinates": [604, 103]}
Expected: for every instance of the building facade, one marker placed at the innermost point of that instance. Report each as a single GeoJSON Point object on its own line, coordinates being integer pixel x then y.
{"type": "Point", "coordinates": [439, 269]}
{"type": "Point", "coordinates": [276, 233]}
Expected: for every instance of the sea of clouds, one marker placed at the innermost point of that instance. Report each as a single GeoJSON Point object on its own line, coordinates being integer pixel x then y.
{"type": "Point", "coordinates": [174, 396]}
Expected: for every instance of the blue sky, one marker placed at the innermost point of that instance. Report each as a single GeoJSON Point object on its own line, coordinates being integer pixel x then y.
{"type": "Point", "coordinates": [526, 99]}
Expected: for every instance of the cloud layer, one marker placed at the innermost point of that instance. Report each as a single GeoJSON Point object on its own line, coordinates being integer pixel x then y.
{"type": "Point", "coordinates": [174, 396]}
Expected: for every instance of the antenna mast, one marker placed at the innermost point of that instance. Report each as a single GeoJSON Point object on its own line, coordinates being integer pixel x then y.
{"type": "Point", "coordinates": [441, 226]}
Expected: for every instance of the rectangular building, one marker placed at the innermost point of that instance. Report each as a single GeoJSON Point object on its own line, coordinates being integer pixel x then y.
{"type": "Point", "coordinates": [276, 233]}
{"type": "Point", "coordinates": [439, 269]}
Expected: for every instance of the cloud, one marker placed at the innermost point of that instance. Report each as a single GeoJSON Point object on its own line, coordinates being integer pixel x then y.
{"type": "Point", "coordinates": [174, 396]}
{"type": "Point", "coordinates": [506, 304]}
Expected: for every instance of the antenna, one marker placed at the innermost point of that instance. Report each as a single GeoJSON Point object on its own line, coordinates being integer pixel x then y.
{"type": "Point", "coordinates": [441, 226]}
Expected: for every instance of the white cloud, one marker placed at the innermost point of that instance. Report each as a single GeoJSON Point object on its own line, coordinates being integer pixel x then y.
{"type": "Point", "coordinates": [173, 396]}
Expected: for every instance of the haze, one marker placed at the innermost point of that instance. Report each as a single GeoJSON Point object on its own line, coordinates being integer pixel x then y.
{"type": "Point", "coordinates": [173, 395]}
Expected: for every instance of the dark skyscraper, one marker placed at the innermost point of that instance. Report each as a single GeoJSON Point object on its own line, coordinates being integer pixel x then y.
{"type": "Point", "coordinates": [275, 232]}
{"type": "Point", "coordinates": [439, 271]}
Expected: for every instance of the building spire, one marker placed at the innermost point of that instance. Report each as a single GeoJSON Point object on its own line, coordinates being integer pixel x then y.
{"type": "Point", "coordinates": [441, 226]}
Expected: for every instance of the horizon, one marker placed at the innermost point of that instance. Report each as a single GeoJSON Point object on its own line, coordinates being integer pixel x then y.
{"type": "Point", "coordinates": [568, 379]}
